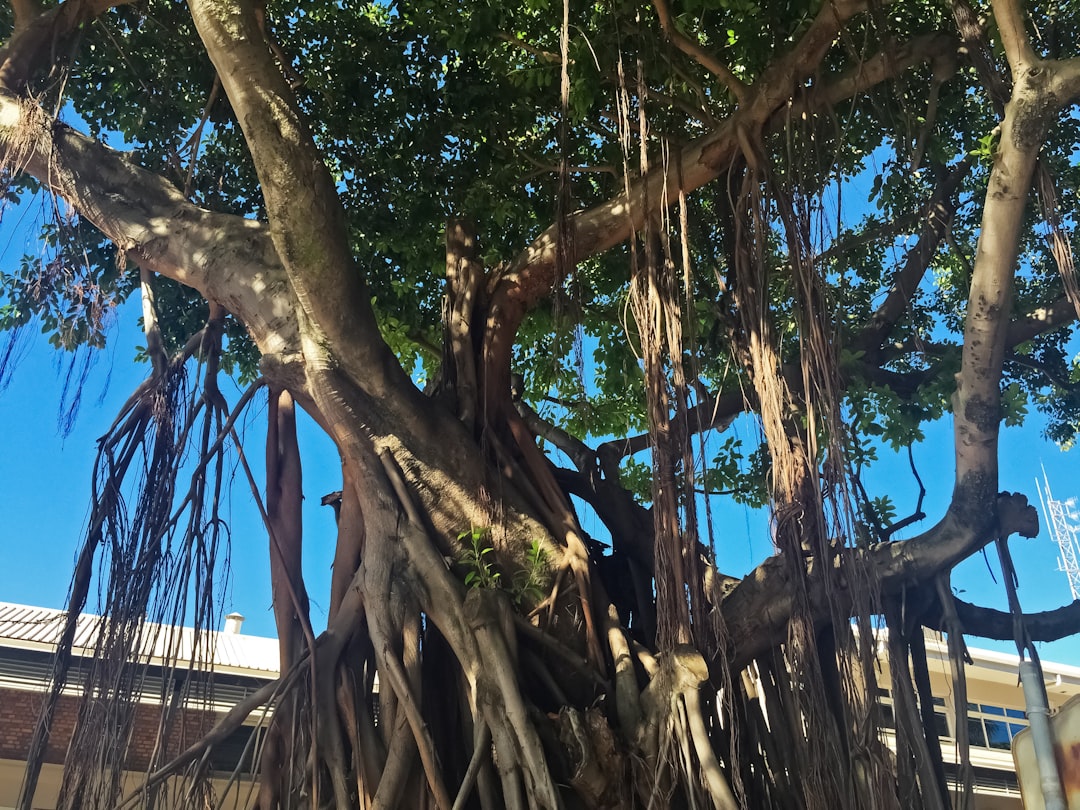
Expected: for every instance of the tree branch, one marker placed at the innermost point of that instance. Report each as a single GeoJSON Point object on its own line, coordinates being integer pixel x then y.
{"type": "Point", "coordinates": [225, 258]}
{"type": "Point", "coordinates": [307, 222]}
{"type": "Point", "coordinates": [1067, 79]}
{"type": "Point", "coordinates": [24, 12]}
{"type": "Point", "coordinates": [577, 451]}
{"type": "Point", "coordinates": [878, 231]}
{"type": "Point", "coordinates": [1042, 320]}
{"type": "Point", "coordinates": [1059, 379]}
{"type": "Point", "coordinates": [530, 276]}
{"type": "Point", "coordinates": [937, 218]}
{"type": "Point", "coordinates": [697, 53]}
{"type": "Point", "coordinates": [547, 56]}
{"type": "Point", "coordinates": [883, 66]}
{"type": "Point", "coordinates": [757, 610]}
{"type": "Point", "coordinates": [353, 379]}
{"type": "Point", "coordinates": [37, 34]}
{"type": "Point", "coordinates": [717, 412]}
{"type": "Point", "coordinates": [630, 523]}
{"type": "Point", "coordinates": [1014, 38]}
{"type": "Point", "coordinates": [977, 401]}
{"type": "Point", "coordinates": [1048, 625]}
{"type": "Point", "coordinates": [700, 114]}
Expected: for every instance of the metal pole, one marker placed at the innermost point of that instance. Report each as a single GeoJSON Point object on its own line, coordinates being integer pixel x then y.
{"type": "Point", "coordinates": [1038, 713]}
{"type": "Point", "coordinates": [1035, 701]}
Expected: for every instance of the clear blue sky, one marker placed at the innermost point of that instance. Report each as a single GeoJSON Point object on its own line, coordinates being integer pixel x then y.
{"type": "Point", "coordinates": [46, 485]}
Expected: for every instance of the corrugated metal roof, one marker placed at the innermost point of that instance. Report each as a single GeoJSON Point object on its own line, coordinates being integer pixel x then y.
{"type": "Point", "coordinates": [30, 627]}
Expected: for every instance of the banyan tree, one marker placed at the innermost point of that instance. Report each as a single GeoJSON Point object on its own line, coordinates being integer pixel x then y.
{"type": "Point", "coordinates": [527, 262]}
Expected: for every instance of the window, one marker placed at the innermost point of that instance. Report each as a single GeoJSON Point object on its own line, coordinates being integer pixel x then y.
{"type": "Point", "coordinates": [941, 722]}
{"type": "Point", "coordinates": [237, 751]}
{"type": "Point", "coordinates": [994, 726]}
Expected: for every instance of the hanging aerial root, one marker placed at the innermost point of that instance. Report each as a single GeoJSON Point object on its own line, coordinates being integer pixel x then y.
{"type": "Point", "coordinates": [958, 656]}
{"type": "Point", "coordinates": [395, 678]}
{"type": "Point", "coordinates": [266, 695]}
{"type": "Point", "coordinates": [912, 750]}
{"type": "Point", "coordinates": [673, 737]}
{"type": "Point", "coordinates": [350, 538]}
{"type": "Point", "coordinates": [149, 555]}
{"type": "Point", "coordinates": [163, 552]}
{"type": "Point", "coordinates": [360, 728]}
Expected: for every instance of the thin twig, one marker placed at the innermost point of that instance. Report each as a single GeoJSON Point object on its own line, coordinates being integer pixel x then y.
{"type": "Point", "coordinates": [697, 53]}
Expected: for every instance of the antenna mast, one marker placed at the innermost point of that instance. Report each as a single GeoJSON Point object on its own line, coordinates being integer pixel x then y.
{"type": "Point", "coordinates": [1063, 524]}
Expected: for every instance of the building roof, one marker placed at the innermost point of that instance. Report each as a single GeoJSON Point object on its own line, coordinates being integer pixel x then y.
{"type": "Point", "coordinates": [1062, 680]}
{"type": "Point", "coordinates": [36, 628]}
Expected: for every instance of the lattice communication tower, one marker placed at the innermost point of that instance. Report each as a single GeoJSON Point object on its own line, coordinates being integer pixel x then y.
{"type": "Point", "coordinates": [1064, 526]}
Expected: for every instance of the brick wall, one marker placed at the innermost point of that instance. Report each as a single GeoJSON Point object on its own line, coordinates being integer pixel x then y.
{"type": "Point", "coordinates": [19, 713]}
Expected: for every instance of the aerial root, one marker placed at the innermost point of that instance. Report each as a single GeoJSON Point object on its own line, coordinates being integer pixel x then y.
{"type": "Point", "coordinates": [481, 750]}
{"type": "Point", "coordinates": [627, 693]}
{"type": "Point", "coordinates": [712, 774]}
{"type": "Point", "coordinates": [673, 737]}
{"type": "Point", "coordinates": [506, 712]}
{"type": "Point", "coordinates": [369, 757]}
{"type": "Point", "coordinates": [400, 760]}
{"type": "Point", "coordinates": [235, 718]}
{"type": "Point", "coordinates": [397, 680]}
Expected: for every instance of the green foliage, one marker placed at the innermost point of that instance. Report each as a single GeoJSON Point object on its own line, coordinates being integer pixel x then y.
{"type": "Point", "coordinates": [439, 108]}
{"type": "Point", "coordinates": [477, 560]}
{"type": "Point", "coordinates": [528, 583]}
{"type": "Point", "coordinates": [70, 287]}
{"type": "Point", "coordinates": [741, 475]}
{"type": "Point", "coordinates": [882, 510]}
{"type": "Point", "coordinates": [986, 146]}
{"type": "Point", "coordinates": [636, 476]}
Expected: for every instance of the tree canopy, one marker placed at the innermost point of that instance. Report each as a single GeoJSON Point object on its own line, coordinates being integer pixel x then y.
{"type": "Point", "coordinates": [524, 259]}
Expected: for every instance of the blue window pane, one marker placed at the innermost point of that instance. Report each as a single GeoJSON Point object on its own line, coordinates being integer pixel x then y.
{"type": "Point", "coordinates": [998, 710]}
{"type": "Point", "coordinates": [1016, 728]}
{"type": "Point", "coordinates": [1015, 713]}
{"type": "Point", "coordinates": [997, 734]}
